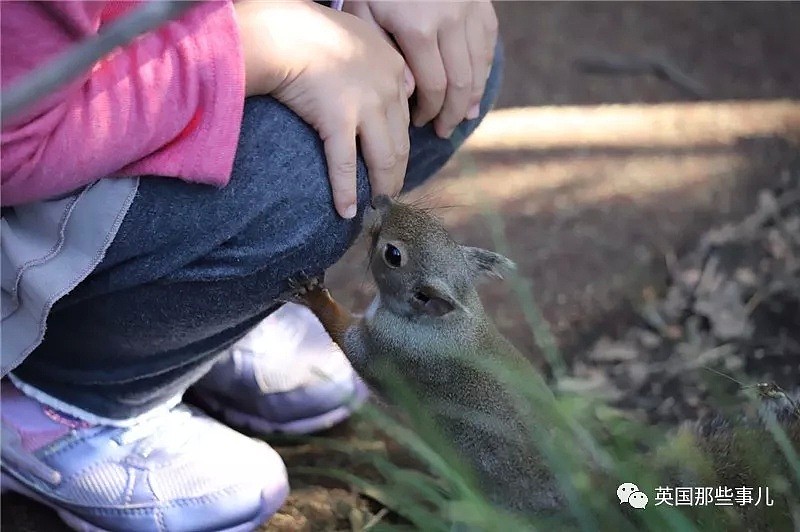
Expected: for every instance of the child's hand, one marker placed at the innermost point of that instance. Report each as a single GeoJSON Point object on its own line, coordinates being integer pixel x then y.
{"type": "Point", "coordinates": [449, 47]}
{"type": "Point", "coordinates": [340, 76]}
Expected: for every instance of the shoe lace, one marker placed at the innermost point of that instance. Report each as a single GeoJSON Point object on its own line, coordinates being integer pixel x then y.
{"type": "Point", "coordinates": [169, 426]}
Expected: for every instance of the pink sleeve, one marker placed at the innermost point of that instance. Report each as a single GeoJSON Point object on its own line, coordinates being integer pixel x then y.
{"type": "Point", "coordinates": [170, 103]}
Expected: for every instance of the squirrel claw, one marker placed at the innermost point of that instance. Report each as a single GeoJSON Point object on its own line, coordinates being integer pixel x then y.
{"type": "Point", "coordinates": [301, 287]}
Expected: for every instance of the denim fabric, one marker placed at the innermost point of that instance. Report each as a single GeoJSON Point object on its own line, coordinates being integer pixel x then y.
{"type": "Point", "coordinates": [194, 268]}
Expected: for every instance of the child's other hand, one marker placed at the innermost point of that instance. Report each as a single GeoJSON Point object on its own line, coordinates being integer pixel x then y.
{"type": "Point", "coordinates": [449, 46]}
{"type": "Point", "coordinates": [340, 76]}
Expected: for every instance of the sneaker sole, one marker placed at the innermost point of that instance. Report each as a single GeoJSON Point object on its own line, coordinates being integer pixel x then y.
{"type": "Point", "coordinates": [270, 504]}
{"type": "Point", "coordinates": [258, 425]}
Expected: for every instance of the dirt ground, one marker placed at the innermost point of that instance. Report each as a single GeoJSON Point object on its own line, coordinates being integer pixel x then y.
{"type": "Point", "coordinates": [600, 180]}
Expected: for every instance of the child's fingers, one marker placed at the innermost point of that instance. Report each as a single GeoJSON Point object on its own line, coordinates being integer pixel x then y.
{"type": "Point", "coordinates": [456, 58]}
{"type": "Point", "coordinates": [481, 54]}
{"type": "Point", "coordinates": [398, 121]}
{"type": "Point", "coordinates": [386, 164]}
{"type": "Point", "coordinates": [362, 11]}
{"type": "Point", "coordinates": [421, 51]}
{"type": "Point", "coordinates": [340, 153]}
{"type": "Point", "coordinates": [408, 82]}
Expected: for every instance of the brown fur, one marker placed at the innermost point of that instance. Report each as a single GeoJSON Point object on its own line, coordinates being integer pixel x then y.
{"type": "Point", "coordinates": [334, 318]}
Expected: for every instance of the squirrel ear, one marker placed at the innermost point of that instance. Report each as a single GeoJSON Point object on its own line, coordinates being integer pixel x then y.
{"type": "Point", "coordinates": [485, 262]}
{"type": "Point", "coordinates": [432, 301]}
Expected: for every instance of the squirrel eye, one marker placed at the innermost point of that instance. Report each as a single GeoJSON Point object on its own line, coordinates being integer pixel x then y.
{"type": "Point", "coordinates": [392, 255]}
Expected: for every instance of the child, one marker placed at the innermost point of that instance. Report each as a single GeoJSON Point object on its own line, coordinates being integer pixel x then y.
{"type": "Point", "coordinates": [153, 211]}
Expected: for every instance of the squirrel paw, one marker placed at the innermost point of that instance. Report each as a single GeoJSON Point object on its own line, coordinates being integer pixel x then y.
{"type": "Point", "coordinates": [301, 288]}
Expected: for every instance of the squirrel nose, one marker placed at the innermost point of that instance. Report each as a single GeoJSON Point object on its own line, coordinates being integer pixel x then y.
{"type": "Point", "coordinates": [381, 202]}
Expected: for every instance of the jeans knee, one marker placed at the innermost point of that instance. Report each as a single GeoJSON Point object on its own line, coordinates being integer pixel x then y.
{"type": "Point", "coordinates": [327, 236]}
{"type": "Point", "coordinates": [277, 211]}
{"type": "Point", "coordinates": [305, 233]}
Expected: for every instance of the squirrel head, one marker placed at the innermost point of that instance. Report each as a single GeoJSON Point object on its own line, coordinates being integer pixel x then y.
{"type": "Point", "coordinates": [420, 271]}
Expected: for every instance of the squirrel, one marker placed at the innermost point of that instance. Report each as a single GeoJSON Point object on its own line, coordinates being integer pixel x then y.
{"type": "Point", "coordinates": [427, 324]}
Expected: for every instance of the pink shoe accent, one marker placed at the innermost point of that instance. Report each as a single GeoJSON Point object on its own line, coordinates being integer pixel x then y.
{"type": "Point", "coordinates": [36, 424]}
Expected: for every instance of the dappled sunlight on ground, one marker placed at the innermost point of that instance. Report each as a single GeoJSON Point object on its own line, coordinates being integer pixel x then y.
{"type": "Point", "coordinates": [669, 125]}
{"type": "Point", "coordinates": [599, 152]}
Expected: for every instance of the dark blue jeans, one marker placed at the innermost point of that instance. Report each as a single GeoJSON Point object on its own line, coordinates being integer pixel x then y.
{"type": "Point", "coordinates": [194, 268]}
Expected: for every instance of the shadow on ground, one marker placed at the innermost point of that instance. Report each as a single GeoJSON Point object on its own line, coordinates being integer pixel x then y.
{"type": "Point", "coordinates": [733, 50]}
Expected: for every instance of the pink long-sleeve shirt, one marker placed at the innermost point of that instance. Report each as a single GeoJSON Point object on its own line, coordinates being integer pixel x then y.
{"type": "Point", "coordinates": [169, 103]}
